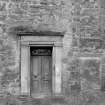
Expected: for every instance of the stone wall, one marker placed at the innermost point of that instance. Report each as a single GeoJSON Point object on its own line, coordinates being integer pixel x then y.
{"type": "Point", "coordinates": [83, 25]}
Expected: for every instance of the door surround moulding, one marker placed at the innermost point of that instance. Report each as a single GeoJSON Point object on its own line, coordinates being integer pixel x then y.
{"type": "Point", "coordinates": [35, 40]}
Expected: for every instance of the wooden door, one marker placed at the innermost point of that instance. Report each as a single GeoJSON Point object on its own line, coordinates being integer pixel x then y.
{"type": "Point", "coordinates": [41, 74]}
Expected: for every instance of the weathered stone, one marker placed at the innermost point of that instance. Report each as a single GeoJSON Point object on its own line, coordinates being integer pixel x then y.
{"type": "Point", "coordinates": [24, 6]}
{"type": "Point", "coordinates": [17, 1]}
{"type": "Point", "coordinates": [2, 6]}
{"type": "Point", "coordinates": [3, 17]}
{"type": "Point", "coordinates": [84, 26]}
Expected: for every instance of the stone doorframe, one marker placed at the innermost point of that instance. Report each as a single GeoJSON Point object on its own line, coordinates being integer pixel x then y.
{"type": "Point", "coordinates": [54, 41]}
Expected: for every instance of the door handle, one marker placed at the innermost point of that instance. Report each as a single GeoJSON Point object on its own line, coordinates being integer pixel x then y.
{"type": "Point", "coordinates": [36, 77]}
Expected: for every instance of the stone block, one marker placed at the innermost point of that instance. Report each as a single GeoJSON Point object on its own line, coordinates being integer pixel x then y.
{"type": "Point", "coordinates": [3, 17]}
{"type": "Point", "coordinates": [2, 6]}
{"type": "Point", "coordinates": [24, 6]}
{"type": "Point", "coordinates": [17, 1]}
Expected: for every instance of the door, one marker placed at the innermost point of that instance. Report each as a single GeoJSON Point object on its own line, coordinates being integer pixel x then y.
{"type": "Point", "coordinates": [41, 71]}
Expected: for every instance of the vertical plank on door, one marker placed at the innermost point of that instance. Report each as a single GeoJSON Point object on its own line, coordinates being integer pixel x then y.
{"type": "Point", "coordinates": [46, 74]}
{"type": "Point", "coordinates": [36, 77]}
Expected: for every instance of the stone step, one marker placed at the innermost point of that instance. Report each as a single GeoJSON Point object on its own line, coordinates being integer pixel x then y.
{"type": "Point", "coordinates": [46, 101]}
{"type": "Point", "coordinates": [27, 99]}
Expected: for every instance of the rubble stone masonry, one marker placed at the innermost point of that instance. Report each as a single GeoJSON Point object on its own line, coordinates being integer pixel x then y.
{"type": "Point", "coordinates": [83, 25]}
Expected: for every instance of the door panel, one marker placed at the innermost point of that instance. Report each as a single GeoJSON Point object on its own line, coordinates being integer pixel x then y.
{"type": "Point", "coordinates": [41, 75]}
{"type": "Point", "coordinates": [36, 71]}
{"type": "Point", "coordinates": [46, 74]}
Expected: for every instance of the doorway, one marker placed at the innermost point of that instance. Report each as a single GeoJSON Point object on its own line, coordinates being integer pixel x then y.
{"type": "Point", "coordinates": [41, 71]}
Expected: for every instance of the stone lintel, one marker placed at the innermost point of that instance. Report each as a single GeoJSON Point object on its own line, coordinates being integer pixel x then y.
{"type": "Point", "coordinates": [40, 33]}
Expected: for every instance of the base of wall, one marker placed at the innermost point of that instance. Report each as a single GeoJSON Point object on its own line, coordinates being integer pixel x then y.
{"type": "Point", "coordinates": [54, 100]}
